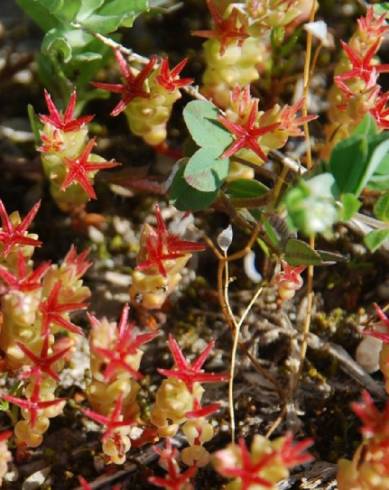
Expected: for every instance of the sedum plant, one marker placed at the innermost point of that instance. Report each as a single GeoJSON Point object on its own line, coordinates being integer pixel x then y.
{"type": "Point", "coordinates": [257, 132]}
{"type": "Point", "coordinates": [115, 360]}
{"type": "Point", "coordinates": [264, 465]}
{"type": "Point", "coordinates": [238, 46]}
{"type": "Point", "coordinates": [178, 399]}
{"type": "Point", "coordinates": [67, 158]}
{"type": "Point", "coordinates": [356, 91]}
{"type": "Point", "coordinates": [38, 337]}
{"type": "Point", "coordinates": [288, 280]}
{"type": "Point", "coordinates": [148, 96]}
{"type": "Point", "coordinates": [174, 478]}
{"type": "Point", "coordinates": [230, 53]}
{"type": "Point", "coordinates": [369, 467]}
{"type": "Point", "coordinates": [36, 310]}
{"type": "Point", "coordinates": [161, 258]}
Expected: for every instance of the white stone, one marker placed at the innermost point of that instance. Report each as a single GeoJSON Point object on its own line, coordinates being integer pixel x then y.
{"type": "Point", "coordinates": [367, 354]}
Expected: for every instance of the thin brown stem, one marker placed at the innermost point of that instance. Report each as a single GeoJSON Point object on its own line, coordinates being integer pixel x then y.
{"type": "Point", "coordinates": [310, 271]}
{"type": "Point", "coordinates": [234, 353]}
{"type": "Point", "coordinates": [279, 184]}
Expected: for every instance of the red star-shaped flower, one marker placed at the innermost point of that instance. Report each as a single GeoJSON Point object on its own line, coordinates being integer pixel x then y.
{"type": "Point", "coordinates": [241, 100]}
{"type": "Point", "coordinates": [375, 423]}
{"type": "Point", "coordinates": [51, 143]}
{"type": "Point", "coordinates": [23, 281]}
{"type": "Point", "coordinates": [42, 363]}
{"type": "Point", "coordinates": [248, 471]}
{"type": "Point", "coordinates": [162, 245]}
{"type": "Point", "coordinates": [52, 312]}
{"type": "Point", "coordinates": [289, 120]}
{"type": "Point", "coordinates": [173, 243]}
{"type": "Point", "coordinates": [167, 452]}
{"type": "Point", "coordinates": [199, 411]}
{"type": "Point", "coordinates": [246, 136]}
{"type": "Point", "coordinates": [384, 321]}
{"type": "Point", "coordinates": [156, 255]}
{"type": "Point", "coordinates": [373, 25]}
{"type": "Point", "coordinates": [65, 122]}
{"type": "Point", "coordinates": [293, 454]}
{"type": "Point", "coordinates": [380, 111]}
{"type": "Point", "coordinates": [79, 168]}
{"type": "Point", "coordinates": [170, 78]}
{"type": "Point", "coordinates": [290, 274]}
{"type": "Point", "coordinates": [11, 235]}
{"type": "Point", "coordinates": [191, 373]}
{"type": "Point", "coordinates": [85, 485]}
{"type": "Point", "coordinates": [111, 422]}
{"type": "Point", "coordinates": [133, 85]}
{"type": "Point", "coordinates": [233, 28]}
{"type": "Point", "coordinates": [362, 68]}
{"type": "Point", "coordinates": [126, 344]}
{"type": "Point", "coordinates": [33, 404]}
{"type": "Point", "coordinates": [174, 480]}
{"type": "Point", "coordinates": [78, 263]}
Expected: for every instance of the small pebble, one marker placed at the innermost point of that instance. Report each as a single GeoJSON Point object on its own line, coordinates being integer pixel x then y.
{"type": "Point", "coordinates": [367, 354]}
{"type": "Point", "coordinates": [95, 235]}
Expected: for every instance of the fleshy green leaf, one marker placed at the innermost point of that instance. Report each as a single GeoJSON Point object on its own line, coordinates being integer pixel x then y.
{"type": "Point", "coordinates": [355, 160]}
{"type": "Point", "coordinates": [360, 160]}
{"type": "Point", "coordinates": [116, 13]}
{"type": "Point", "coordinates": [55, 43]}
{"type": "Point", "coordinates": [88, 7]}
{"type": "Point", "coordinates": [271, 232]}
{"type": "Point", "coordinates": [65, 10]}
{"type": "Point", "coordinates": [204, 171]}
{"type": "Point", "coordinates": [246, 189]}
{"type": "Point", "coordinates": [383, 168]}
{"type": "Point", "coordinates": [367, 127]}
{"type": "Point", "coordinates": [201, 120]}
{"type": "Point", "coordinates": [298, 252]}
{"type": "Point", "coordinates": [381, 207]}
{"type": "Point", "coordinates": [39, 13]}
{"type": "Point", "coordinates": [72, 54]}
{"type": "Point", "coordinates": [348, 163]}
{"type": "Point", "coordinates": [91, 13]}
{"type": "Point", "coordinates": [378, 153]}
{"type": "Point", "coordinates": [379, 182]}
{"type": "Point", "coordinates": [87, 57]}
{"type": "Point", "coordinates": [350, 204]}
{"type": "Point", "coordinates": [34, 123]}
{"type": "Point", "coordinates": [62, 10]}
{"type": "Point", "coordinates": [123, 7]}
{"type": "Point", "coordinates": [376, 238]}
{"type": "Point", "coordinates": [102, 24]}
{"type": "Point", "coordinates": [86, 71]}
